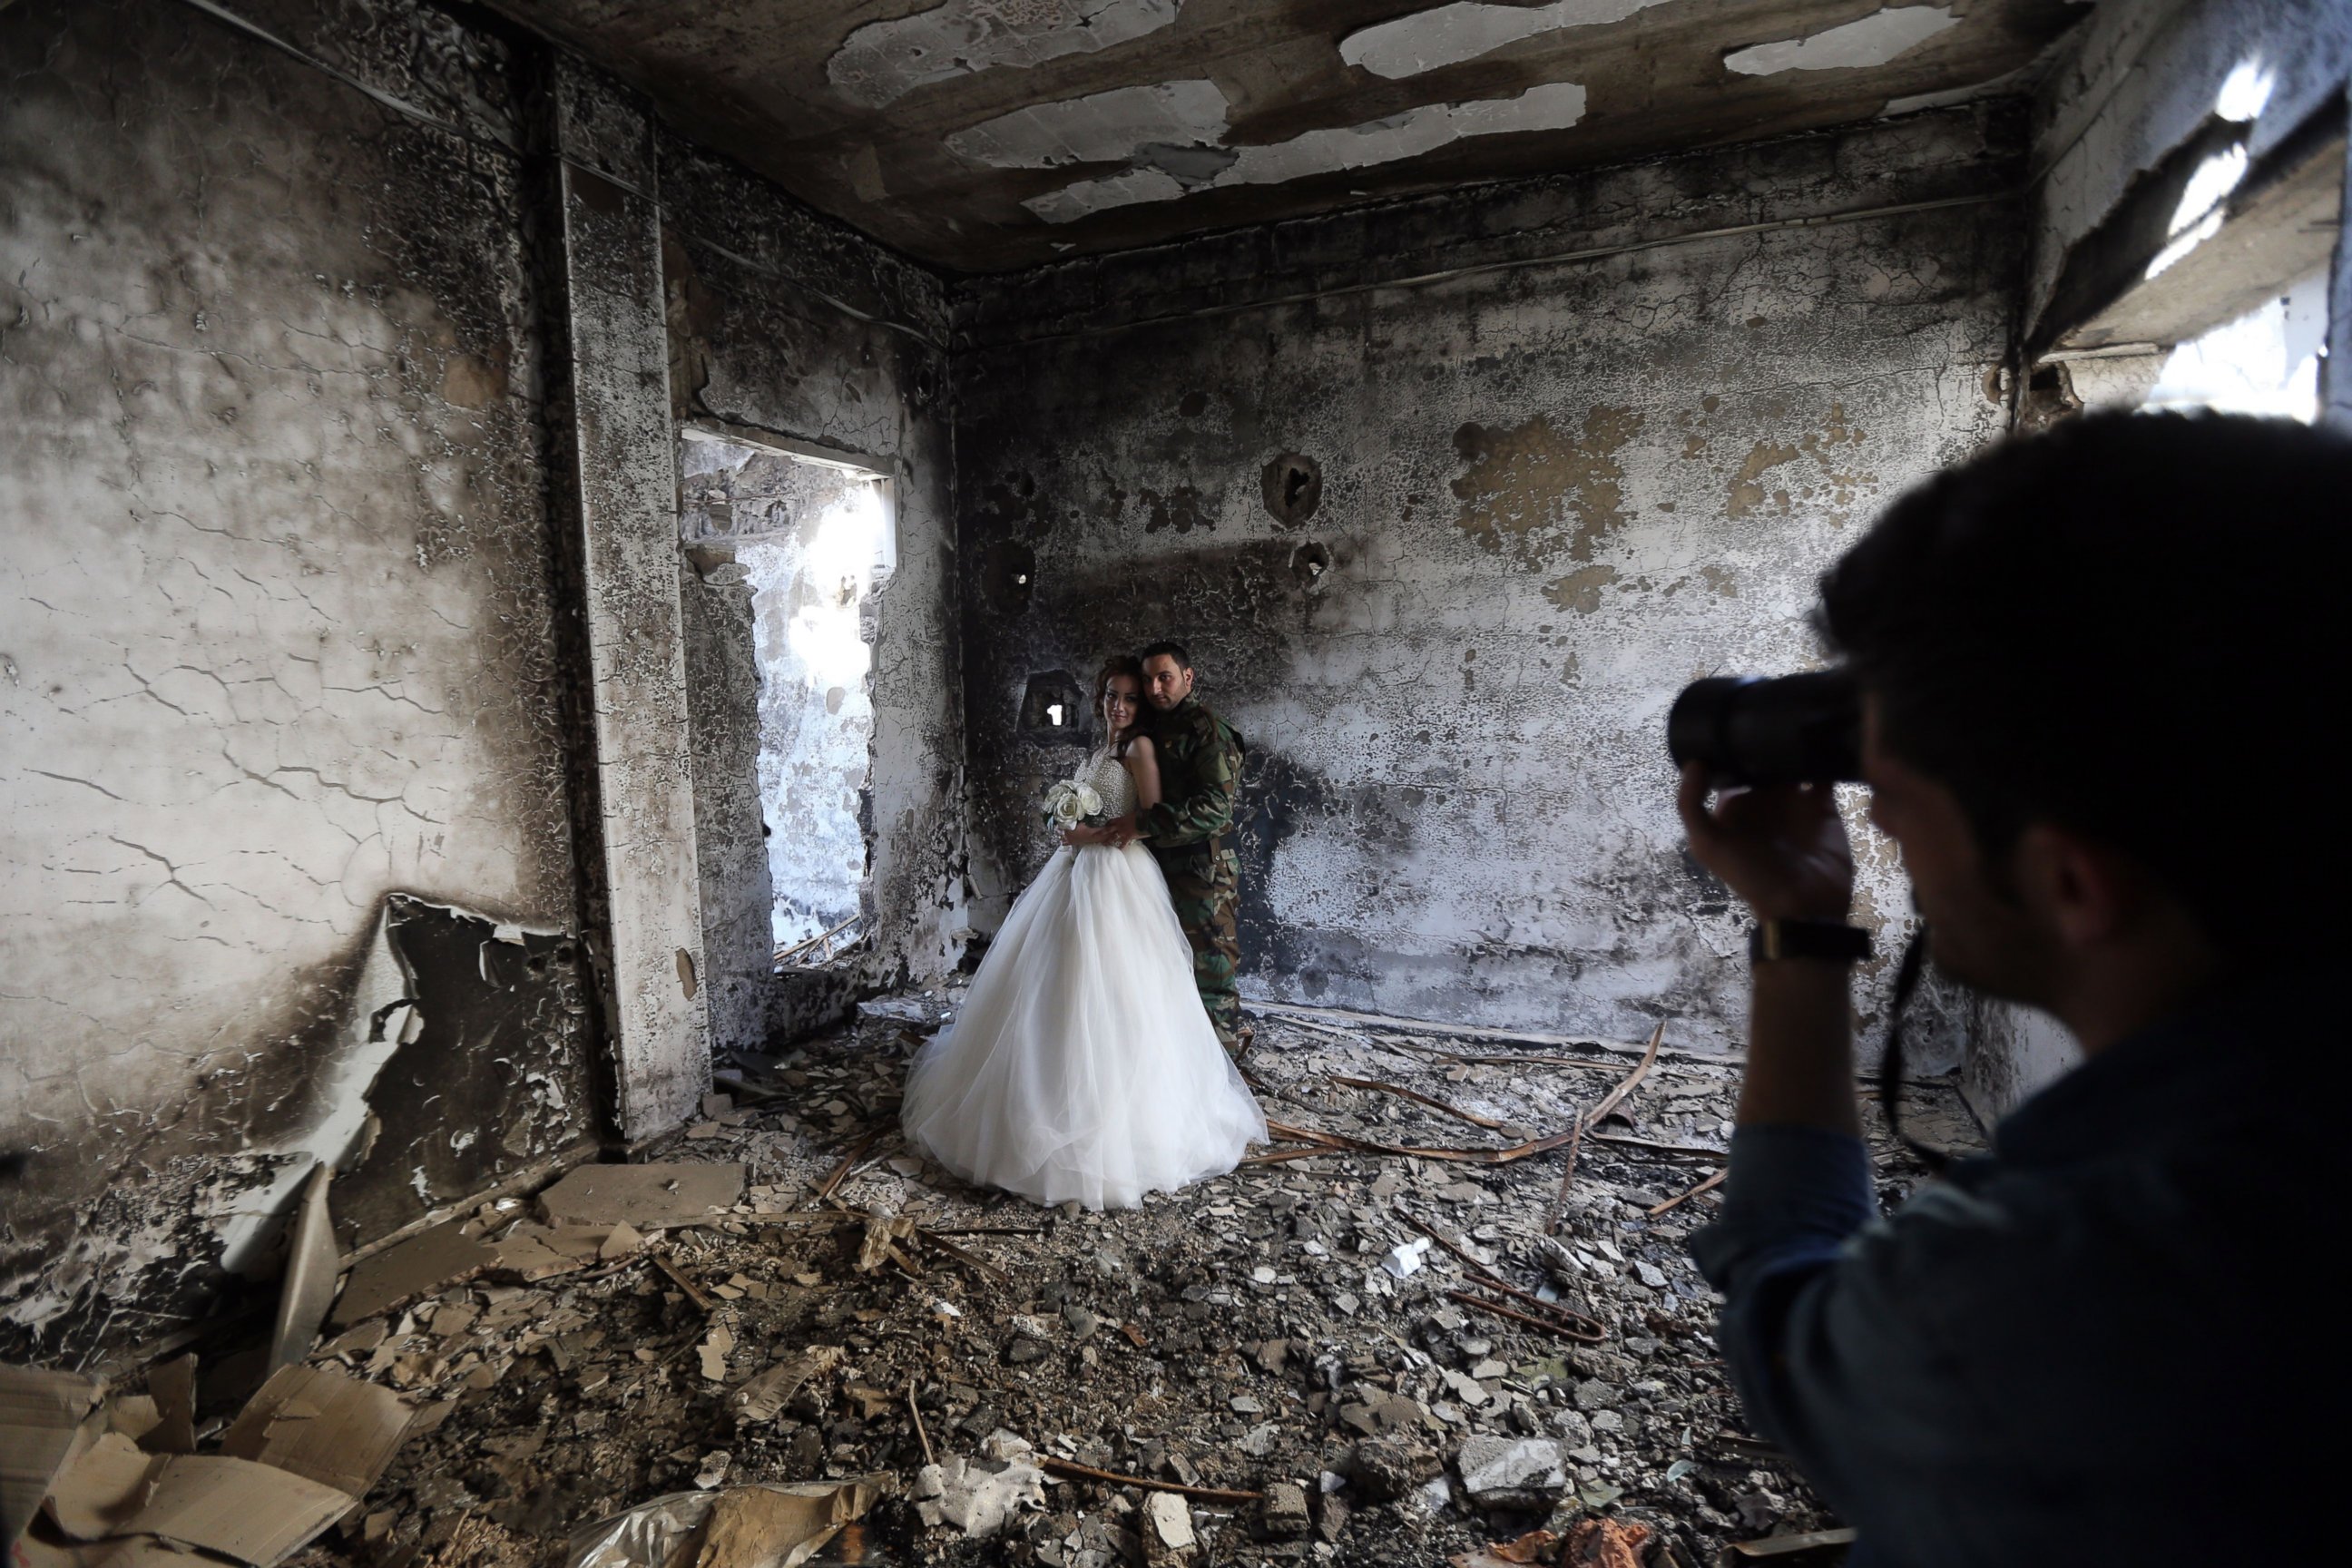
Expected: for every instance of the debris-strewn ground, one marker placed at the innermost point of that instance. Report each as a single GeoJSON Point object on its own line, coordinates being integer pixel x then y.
{"type": "Point", "coordinates": [1283, 1331]}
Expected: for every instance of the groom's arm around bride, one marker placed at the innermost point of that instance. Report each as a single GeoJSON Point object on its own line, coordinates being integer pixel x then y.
{"type": "Point", "coordinates": [1189, 832]}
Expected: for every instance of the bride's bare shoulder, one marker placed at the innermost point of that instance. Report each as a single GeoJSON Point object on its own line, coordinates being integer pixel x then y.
{"type": "Point", "coordinates": [1138, 747]}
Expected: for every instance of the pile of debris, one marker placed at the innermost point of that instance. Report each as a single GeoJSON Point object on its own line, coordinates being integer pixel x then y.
{"type": "Point", "coordinates": [1448, 1315]}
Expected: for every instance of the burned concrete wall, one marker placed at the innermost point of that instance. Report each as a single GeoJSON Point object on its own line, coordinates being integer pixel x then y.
{"type": "Point", "coordinates": [278, 621]}
{"type": "Point", "coordinates": [791, 333]}
{"type": "Point", "coordinates": [1574, 442]}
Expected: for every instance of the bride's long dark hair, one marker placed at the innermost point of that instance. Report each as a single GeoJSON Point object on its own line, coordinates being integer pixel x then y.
{"type": "Point", "coordinates": [1117, 665]}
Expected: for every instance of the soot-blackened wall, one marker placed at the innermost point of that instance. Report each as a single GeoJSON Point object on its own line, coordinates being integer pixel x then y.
{"type": "Point", "coordinates": [279, 632]}
{"type": "Point", "coordinates": [1546, 493]}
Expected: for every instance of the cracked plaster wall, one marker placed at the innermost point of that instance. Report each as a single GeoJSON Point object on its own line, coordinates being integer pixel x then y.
{"type": "Point", "coordinates": [789, 328]}
{"type": "Point", "coordinates": [1552, 492]}
{"type": "Point", "coordinates": [278, 631]}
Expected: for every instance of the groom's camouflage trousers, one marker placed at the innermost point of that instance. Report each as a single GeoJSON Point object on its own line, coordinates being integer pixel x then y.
{"type": "Point", "coordinates": [1206, 889]}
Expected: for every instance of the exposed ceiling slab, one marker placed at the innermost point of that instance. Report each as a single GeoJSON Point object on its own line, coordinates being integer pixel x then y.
{"type": "Point", "coordinates": [982, 135]}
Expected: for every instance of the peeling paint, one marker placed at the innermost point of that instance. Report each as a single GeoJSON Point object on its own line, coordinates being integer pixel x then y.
{"type": "Point", "coordinates": [882, 62]}
{"type": "Point", "coordinates": [1097, 129]}
{"type": "Point", "coordinates": [1872, 40]}
{"type": "Point", "coordinates": [1466, 29]}
{"type": "Point", "coordinates": [1518, 483]}
{"type": "Point", "coordinates": [1553, 106]}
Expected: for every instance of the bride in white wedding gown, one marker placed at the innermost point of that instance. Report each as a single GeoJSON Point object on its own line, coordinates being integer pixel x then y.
{"type": "Point", "coordinates": [1083, 1065]}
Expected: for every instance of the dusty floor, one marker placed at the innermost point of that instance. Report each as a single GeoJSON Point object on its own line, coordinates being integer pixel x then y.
{"type": "Point", "coordinates": [1244, 1335]}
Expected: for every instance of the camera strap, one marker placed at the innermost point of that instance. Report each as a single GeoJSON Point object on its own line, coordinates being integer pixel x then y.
{"type": "Point", "coordinates": [1890, 1060]}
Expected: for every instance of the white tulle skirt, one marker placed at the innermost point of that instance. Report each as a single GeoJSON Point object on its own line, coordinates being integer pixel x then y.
{"type": "Point", "coordinates": [1083, 1066]}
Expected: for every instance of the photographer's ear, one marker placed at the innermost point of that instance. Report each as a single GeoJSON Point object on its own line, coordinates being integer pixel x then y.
{"type": "Point", "coordinates": [2082, 892]}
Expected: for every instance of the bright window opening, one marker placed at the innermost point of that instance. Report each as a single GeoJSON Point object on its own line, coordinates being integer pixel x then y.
{"type": "Point", "coordinates": [2266, 362]}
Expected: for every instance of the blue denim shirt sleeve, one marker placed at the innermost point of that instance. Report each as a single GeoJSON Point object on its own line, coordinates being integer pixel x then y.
{"type": "Point", "coordinates": [1839, 1355]}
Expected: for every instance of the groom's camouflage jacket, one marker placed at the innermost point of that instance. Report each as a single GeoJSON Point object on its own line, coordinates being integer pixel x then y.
{"type": "Point", "coordinates": [1191, 833]}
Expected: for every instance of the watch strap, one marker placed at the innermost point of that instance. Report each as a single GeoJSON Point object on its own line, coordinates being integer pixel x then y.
{"type": "Point", "coordinates": [1831, 939]}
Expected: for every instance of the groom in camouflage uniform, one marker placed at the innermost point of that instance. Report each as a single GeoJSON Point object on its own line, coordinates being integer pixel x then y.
{"type": "Point", "coordinates": [1190, 832]}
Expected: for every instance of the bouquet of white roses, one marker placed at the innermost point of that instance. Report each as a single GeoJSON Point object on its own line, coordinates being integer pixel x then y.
{"type": "Point", "coordinates": [1070, 803]}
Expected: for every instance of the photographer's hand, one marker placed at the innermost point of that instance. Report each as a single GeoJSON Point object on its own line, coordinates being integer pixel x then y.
{"type": "Point", "coordinates": [1785, 852]}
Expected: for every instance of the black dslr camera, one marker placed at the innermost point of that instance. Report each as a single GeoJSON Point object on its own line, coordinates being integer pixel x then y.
{"type": "Point", "coordinates": [1797, 729]}
{"type": "Point", "coordinates": [1789, 728]}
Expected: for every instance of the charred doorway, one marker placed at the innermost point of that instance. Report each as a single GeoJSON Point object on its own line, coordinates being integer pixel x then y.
{"type": "Point", "coordinates": [785, 554]}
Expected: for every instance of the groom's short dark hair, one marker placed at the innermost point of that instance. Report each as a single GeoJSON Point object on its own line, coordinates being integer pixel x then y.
{"type": "Point", "coordinates": [1174, 650]}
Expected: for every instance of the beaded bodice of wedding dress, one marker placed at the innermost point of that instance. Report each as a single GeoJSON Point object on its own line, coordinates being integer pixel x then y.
{"type": "Point", "coordinates": [1108, 777]}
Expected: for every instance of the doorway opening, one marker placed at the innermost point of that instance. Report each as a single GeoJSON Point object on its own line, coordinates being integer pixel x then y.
{"type": "Point", "coordinates": [815, 541]}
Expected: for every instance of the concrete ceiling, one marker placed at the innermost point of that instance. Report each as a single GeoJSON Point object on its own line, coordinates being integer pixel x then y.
{"type": "Point", "coordinates": [986, 134]}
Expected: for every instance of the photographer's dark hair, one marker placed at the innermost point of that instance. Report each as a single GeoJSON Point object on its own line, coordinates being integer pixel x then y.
{"type": "Point", "coordinates": [2128, 628]}
{"type": "Point", "coordinates": [1174, 650]}
{"type": "Point", "coordinates": [1117, 665]}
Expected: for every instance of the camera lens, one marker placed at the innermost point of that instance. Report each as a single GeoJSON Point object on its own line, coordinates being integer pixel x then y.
{"type": "Point", "coordinates": [1790, 729]}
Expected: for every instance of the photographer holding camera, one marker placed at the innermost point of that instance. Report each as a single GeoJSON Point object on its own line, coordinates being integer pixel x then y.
{"type": "Point", "coordinates": [2077, 674]}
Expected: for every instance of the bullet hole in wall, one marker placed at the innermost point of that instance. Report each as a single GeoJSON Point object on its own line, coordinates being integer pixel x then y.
{"type": "Point", "coordinates": [2049, 398]}
{"type": "Point", "coordinates": [1053, 710]}
{"type": "Point", "coordinates": [1294, 487]}
{"type": "Point", "coordinates": [1009, 576]}
{"type": "Point", "coordinates": [1309, 561]}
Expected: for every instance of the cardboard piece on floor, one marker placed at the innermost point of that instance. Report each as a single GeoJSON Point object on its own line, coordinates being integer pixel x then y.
{"type": "Point", "coordinates": [649, 1197]}
{"type": "Point", "coordinates": [310, 1284]}
{"type": "Point", "coordinates": [769, 1526]}
{"type": "Point", "coordinates": [106, 1485]}
{"type": "Point", "coordinates": [321, 1425]}
{"type": "Point", "coordinates": [421, 1266]}
{"type": "Point", "coordinates": [529, 1252]}
{"type": "Point", "coordinates": [173, 1386]}
{"type": "Point", "coordinates": [133, 1415]}
{"type": "Point", "coordinates": [41, 1429]}
{"type": "Point", "coordinates": [257, 1514]}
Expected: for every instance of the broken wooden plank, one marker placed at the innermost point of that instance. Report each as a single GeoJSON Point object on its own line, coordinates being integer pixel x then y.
{"type": "Point", "coordinates": [1491, 1124]}
{"type": "Point", "coordinates": [1329, 1140]}
{"type": "Point", "coordinates": [694, 1293]}
{"type": "Point", "coordinates": [1587, 1120]}
{"type": "Point", "coordinates": [1565, 1330]}
{"type": "Point", "coordinates": [1687, 1193]}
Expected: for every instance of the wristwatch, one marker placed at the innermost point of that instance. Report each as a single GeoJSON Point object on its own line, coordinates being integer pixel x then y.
{"type": "Point", "coordinates": [1831, 939]}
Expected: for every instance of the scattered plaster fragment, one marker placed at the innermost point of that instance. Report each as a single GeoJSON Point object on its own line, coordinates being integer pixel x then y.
{"type": "Point", "coordinates": [1102, 128]}
{"type": "Point", "coordinates": [884, 62]}
{"type": "Point", "coordinates": [1871, 41]}
{"type": "Point", "coordinates": [1468, 29]}
{"type": "Point", "coordinates": [1552, 106]}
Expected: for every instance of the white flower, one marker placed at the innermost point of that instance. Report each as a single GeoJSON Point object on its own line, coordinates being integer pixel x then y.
{"type": "Point", "coordinates": [1069, 803]}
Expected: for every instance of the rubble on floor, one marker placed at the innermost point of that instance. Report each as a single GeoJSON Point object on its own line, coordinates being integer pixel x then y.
{"type": "Point", "coordinates": [1334, 1353]}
